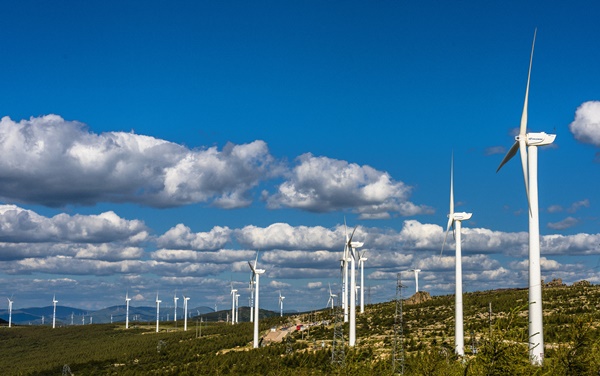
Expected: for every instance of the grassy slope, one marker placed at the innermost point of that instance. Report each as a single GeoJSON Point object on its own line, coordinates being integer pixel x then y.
{"type": "Point", "coordinates": [571, 314]}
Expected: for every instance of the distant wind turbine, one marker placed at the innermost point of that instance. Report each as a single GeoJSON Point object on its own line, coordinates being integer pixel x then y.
{"type": "Point", "coordinates": [127, 300]}
{"type": "Point", "coordinates": [352, 304]}
{"type": "Point", "coordinates": [237, 308]}
{"type": "Point", "coordinates": [157, 311]}
{"type": "Point", "coordinates": [417, 271]}
{"type": "Point", "coordinates": [281, 304]}
{"type": "Point", "coordinates": [361, 264]}
{"type": "Point", "coordinates": [527, 144]}
{"type": "Point", "coordinates": [233, 293]}
{"type": "Point", "coordinates": [251, 297]}
{"type": "Point", "coordinates": [54, 301]}
{"type": "Point", "coordinates": [175, 299]}
{"type": "Point", "coordinates": [331, 296]}
{"type": "Point", "coordinates": [185, 310]}
{"type": "Point", "coordinates": [256, 274]}
{"type": "Point", "coordinates": [10, 304]}
{"type": "Point", "coordinates": [454, 221]}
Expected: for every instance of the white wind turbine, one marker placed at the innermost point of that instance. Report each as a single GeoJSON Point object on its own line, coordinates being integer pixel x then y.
{"type": "Point", "coordinates": [361, 264]}
{"type": "Point", "coordinates": [237, 308]}
{"type": "Point", "coordinates": [331, 296]}
{"type": "Point", "coordinates": [127, 300]}
{"type": "Point", "coordinates": [281, 304]}
{"type": "Point", "coordinates": [352, 304]}
{"type": "Point", "coordinates": [185, 310]}
{"type": "Point", "coordinates": [54, 301]}
{"type": "Point", "coordinates": [10, 303]}
{"type": "Point", "coordinates": [417, 271]}
{"type": "Point", "coordinates": [157, 311]}
{"type": "Point", "coordinates": [527, 144]}
{"type": "Point", "coordinates": [233, 294]}
{"type": "Point", "coordinates": [256, 275]}
{"type": "Point", "coordinates": [344, 265]}
{"type": "Point", "coordinates": [175, 299]}
{"type": "Point", "coordinates": [454, 221]}
{"type": "Point", "coordinates": [252, 298]}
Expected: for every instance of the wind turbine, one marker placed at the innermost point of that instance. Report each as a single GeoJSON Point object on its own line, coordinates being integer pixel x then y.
{"type": "Point", "coordinates": [185, 309]}
{"type": "Point", "coordinates": [54, 301]}
{"type": "Point", "coordinates": [416, 279]}
{"type": "Point", "coordinates": [233, 293]}
{"type": "Point", "coordinates": [281, 304]}
{"type": "Point", "coordinates": [527, 144]}
{"type": "Point", "coordinates": [256, 275]}
{"type": "Point", "coordinates": [157, 311]}
{"type": "Point", "coordinates": [252, 298]}
{"type": "Point", "coordinates": [344, 266]}
{"type": "Point", "coordinates": [237, 308]}
{"type": "Point", "coordinates": [361, 263]}
{"type": "Point", "coordinates": [10, 303]}
{"type": "Point", "coordinates": [127, 300]}
{"type": "Point", "coordinates": [454, 221]}
{"type": "Point", "coordinates": [353, 257]}
{"type": "Point", "coordinates": [175, 299]}
{"type": "Point", "coordinates": [331, 296]}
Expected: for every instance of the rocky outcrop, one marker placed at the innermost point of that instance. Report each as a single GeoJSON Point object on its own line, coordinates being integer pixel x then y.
{"type": "Point", "coordinates": [582, 283]}
{"type": "Point", "coordinates": [419, 297]}
{"type": "Point", "coordinates": [556, 282]}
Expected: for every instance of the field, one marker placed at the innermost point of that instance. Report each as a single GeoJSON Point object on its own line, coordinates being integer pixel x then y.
{"type": "Point", "coordinates": [571, 333]}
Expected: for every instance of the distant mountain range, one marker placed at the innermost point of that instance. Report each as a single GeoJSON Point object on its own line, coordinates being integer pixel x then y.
{"type": "Point", "coordinates": [76, 316]}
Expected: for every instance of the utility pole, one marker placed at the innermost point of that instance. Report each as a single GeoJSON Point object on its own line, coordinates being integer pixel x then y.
{"type": "Point", "coordinates": [398, 357]}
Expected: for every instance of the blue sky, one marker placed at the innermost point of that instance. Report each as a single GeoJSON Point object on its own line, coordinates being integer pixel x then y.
{"type": "Point", "coordinates": [155, 146]}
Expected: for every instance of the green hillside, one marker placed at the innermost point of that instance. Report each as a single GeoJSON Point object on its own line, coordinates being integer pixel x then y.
{"type": "Point", "coordinates": [215, 348]}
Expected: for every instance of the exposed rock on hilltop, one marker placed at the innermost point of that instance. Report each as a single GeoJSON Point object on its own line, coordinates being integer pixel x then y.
{"type": "Point", "coordinates": [417, 298]}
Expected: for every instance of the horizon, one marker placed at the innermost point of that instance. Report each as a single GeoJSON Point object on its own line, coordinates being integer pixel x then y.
{"type": "Point", "coordinates": [157, 147]}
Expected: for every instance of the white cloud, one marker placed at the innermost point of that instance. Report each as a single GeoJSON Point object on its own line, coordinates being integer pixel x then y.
{"type": "Point", "coordinates": [578, 205]}
{"type": "Point", "coordinates": [181, 237]}
{"type": "Point", "coordinates": [564, 224]}
{"type": "Point", "coordinates": [586, 125]}
{"type": "Point", "coordinates": [50, 161]}
{"type": "Point", "coordinates": [321, 184]}
{"type": "Point", "coordinates": [284, 236]}
{"type": "Point", "coordinates": [314, 285]}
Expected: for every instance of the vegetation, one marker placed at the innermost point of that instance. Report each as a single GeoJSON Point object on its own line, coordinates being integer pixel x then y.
{"type": "Point", "coordinates": [571, 333]}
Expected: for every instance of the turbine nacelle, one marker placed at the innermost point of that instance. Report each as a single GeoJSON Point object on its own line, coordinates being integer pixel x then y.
{"type": "Point", "coordinates": [462, 216]}
{"type": "Point", "coordinates": [538, 139]}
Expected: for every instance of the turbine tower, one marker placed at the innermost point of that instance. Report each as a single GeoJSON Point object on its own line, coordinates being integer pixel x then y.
{"type": "Point", "coordinates": [416, 279]}
{"type": "Point", "coordinates": [344, 265]}
{"type": "Point", "coordinates": [281, 304]}
{"type": "Point", "coordinates": [175, 299]}
{"type": "Point", "coordinates": [54, 301]}
{"type": "Point", "coordinates": [527, 144]}
{"type": "Point", "coordinates": [361, 263]}
{"type": "Point", "coordinates": [252, 298]}
{"type": "Point", "coordinates": [157, 311]}
{"type": "Point", "coordinates": [10, 303]}
{"type": "Point", "coordinates": [237, 308]}
{"type": "Point", "coordinates": [185, 310]}
{"type": "Point", "coordinates": [256, 275]}
{"type": "Point", "coordinates": [352, 304]}
{"type": "Point", "coordinates": [331, 296]}
{"type": "Point", "coordinates": [127, 300]}
{"type": "Point", "coordinates": [454, 221]}
{"type": "Point", "coordinates": [233, 293]}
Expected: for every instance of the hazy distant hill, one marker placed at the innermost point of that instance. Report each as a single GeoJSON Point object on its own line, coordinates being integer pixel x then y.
{"type": "Point", "coordinates": [66, 315]}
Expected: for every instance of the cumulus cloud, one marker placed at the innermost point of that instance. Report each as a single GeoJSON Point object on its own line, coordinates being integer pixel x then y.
{"type": "Point", "coordinates": [285, 236]}
{"type": "Point", "coordinates": [54, 162]}
{"type": "Point", "coordinates": [181, 237]}
{"type": "Point", "coordinates": [586, 125]}
{"type": "Point", "coordinates": [108, 237]}
{"type": "Point", "coordinates": [20, 225]}
{"type": "Point", "coordinates": [321, 184]}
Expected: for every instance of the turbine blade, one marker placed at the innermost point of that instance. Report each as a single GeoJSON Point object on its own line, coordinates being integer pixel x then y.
{"type": "Point", "coordinates": [452, 185]}
{"type": "Point", "coordinates": [523, 128]}
{"type": "Point", "coordinates": [523, 150]}
{"type": "Point", "coordinates": [450, 222]}
{"type": "Point", "coordinates": [511, 153]}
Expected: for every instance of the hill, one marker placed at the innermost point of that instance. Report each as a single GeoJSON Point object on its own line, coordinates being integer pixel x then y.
{"type": "Point", "coordinates": [571, 331]}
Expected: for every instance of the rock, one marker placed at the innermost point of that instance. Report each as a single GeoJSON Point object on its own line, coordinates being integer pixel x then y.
{"type": "Point", "coordinates": [582, 283]}
{"type": "Point", "coordinates": [419, 297]}
{"type": "Point", "coordinates": [556, 282]}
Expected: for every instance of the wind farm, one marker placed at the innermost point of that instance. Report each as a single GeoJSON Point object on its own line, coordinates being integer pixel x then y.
{"type": "Point", "coordinates": [278, 172]}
